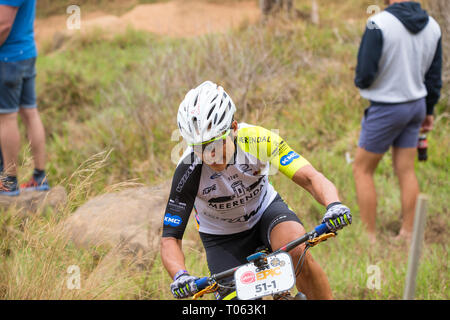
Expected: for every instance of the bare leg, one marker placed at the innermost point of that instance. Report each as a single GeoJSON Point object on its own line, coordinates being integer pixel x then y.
{"type": "Point", "coordinates": [10, 142]}
{"type": "Point", "coordinates": [403, 161]}
{"type": "Point", "coordinates": [363, 169]}
{"type": "Point", "coordinates": [312, 281]}
{"type": "Point", "coordinates": [266, 6]}
{"type": "Point", "coordinates": [36, 135]}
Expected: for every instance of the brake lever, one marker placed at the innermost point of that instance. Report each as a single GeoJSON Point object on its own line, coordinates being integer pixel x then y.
{"type": "Point", "coordinates": [314, 241]}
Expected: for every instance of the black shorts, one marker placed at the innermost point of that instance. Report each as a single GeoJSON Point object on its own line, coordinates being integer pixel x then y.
{"type": "Point", "coordinates": [224, 252]}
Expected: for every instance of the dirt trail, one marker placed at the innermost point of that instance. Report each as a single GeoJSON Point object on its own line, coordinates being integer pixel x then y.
{"type": "Point", "coordinates": [176, 18]}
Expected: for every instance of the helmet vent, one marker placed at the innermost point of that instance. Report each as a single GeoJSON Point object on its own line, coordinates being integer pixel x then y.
{"type": "Point", "coordinates": [196, 99]}
{"type": "Point", "coordinates": [195, 123]}
{"type": "Point", "coordinates": [222, 117]}
{"type": "Point", "coordinates": [210, 112]}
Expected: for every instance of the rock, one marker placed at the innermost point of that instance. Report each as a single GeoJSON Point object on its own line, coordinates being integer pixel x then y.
{"type": "Point", "coordinates": [35, 201]}
{"type": "Point", "coordinates": [128, 221]}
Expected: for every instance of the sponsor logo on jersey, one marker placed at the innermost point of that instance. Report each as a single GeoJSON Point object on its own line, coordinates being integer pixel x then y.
{"type": "Point", "coordinates": [254, 139]}
{"type": "Point", "coordinates": [176, 206]}
{"type": "Point", "coordinates": [241, 195]}
{"type": "Point", "coordinates": [172, 220]}
{"type": "Point", "coordinates": [215, 175]}
{"type": "Point", "coordinates": [248, 277]}
{"type": "Point", "coordinates": [187, 174]}
{"type": "Point", "coordinates": [209, 189]}
{"type": "Point", "coordinates": [288, 158]}
{"type": "Point", "coordinates": [281, 148]}
{"type": "Point", "coordinates": [245, 168]}
{"type": "Point", "coordinates": [244, 218]}
{"type": "Point", "coordinates": [238, 188]}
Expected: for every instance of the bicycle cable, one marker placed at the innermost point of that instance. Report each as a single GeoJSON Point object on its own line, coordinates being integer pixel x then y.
{"type": "Point", "coordinates": [302, 260]}
{"type": "Point", "coordinates": [228, 286]}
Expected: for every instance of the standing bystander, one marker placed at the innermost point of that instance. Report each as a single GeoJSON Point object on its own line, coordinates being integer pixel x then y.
{"type": "Point", "coordinates": [399, 71]}
{"type": "Point", "coordinates": [17, 95]}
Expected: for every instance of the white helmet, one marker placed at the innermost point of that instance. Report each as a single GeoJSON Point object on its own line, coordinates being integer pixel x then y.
{"type": "Point", "coordinates": [205, 113]}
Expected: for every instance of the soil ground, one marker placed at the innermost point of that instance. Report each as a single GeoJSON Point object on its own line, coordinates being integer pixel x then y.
{"type": "Point", "coordinates": [176, 18]}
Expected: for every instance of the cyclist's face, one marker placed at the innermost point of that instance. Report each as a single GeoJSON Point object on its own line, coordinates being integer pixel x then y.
{"type": "Point", "coordinates": [218, 153]}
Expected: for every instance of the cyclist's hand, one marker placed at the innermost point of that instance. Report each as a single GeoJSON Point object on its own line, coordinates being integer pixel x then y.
{"type": "Point", "coordinates": [337, 216]}
{"type": "Point", "coordinates": [183, 286]}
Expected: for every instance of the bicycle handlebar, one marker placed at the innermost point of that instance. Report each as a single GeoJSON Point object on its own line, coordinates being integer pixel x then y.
{"type": "Point", "coordinates": [202, 283]}
{"type": "Point", "coordinates": [321, 229]}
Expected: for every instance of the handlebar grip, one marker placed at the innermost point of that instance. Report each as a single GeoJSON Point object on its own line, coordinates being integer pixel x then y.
{"type": "Point", "coordinates": [321, 229]}
{"type": "Point", "coordinates": [202, 283]}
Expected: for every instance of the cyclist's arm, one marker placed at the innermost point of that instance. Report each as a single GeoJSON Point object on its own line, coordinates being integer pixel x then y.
{"type": "Point", "coordinates": [172, 256]}
{"type": "Point", "coordinates": [179, 206]}
{"type": "Point", "coordinates": [322, 189]}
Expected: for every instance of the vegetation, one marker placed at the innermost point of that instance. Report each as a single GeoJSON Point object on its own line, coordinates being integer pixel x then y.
{"type": "Point", "coordinates": [109, 108]}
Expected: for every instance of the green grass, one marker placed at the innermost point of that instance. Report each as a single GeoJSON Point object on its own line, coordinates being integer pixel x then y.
{"type": "Point", "coordinates": [114, 101]}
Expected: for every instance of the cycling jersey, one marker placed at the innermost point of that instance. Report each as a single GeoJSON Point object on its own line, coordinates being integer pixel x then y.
{"type": "Point", "coordinates": [234, 199]}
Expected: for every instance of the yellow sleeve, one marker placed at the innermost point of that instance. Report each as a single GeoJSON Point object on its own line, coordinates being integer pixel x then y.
{"type": "Point", "coordinates": [267, 145]}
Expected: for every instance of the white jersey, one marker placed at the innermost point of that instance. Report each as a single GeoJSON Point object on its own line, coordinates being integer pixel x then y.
{"type": "Point", "coordinates": [234, 199]}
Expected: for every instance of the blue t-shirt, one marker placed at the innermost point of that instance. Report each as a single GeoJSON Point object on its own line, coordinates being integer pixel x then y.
{"type": "Point", "coordinates": [20, 43]}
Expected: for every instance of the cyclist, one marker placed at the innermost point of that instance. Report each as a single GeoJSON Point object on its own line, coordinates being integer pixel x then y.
{"type": "Point", "coordinates": [223, 176]}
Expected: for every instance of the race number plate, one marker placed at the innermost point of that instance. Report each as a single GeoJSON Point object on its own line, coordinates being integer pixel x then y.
{"type": "Point", "coordinates": [253, 282]}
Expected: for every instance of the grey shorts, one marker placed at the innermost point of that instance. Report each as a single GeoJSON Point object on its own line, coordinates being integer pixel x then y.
{"type": "Point", "coordinates": [395, 125]}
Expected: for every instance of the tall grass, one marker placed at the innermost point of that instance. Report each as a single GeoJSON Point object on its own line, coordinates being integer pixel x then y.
{"type": "Point", "coordinates": [114, 102]}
